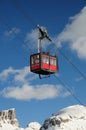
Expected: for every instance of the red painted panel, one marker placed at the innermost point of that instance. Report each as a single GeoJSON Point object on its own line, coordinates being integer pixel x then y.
{"type": "Point", "coordinates": [45, 66]}
{"type": "Point", "coordinates": [35, 66]}
{"type": "Point", "coordinates": [53, 68]}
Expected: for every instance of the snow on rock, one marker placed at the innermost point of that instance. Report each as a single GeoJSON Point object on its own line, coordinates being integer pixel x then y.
{"type": "Point", "coordinates": [6, 126]}
{"type": "Point", "coordinates": [8, 121]}
{"type": "Point", "coordinates": [33, 126]}
{"type": "Point", "coordinates": [70, 118]}
{"type": "Point", "coordinates": [9, 117]}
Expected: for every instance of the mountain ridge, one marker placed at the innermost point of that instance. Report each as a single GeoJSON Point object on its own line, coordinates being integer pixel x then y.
{"type": "Point", "coordinates": [72, 117]}
{"type": "Point", "coordinates": [69, 118]}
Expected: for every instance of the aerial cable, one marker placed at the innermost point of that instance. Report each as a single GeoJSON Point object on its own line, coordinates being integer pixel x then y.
{"type": "Point", "coordinates": [9, 28]}
{"type": "Point", "coordinates": [19, 6]}
{"type": "Point", "coordinates": [27, 15]}
{"type": "Point", "coordinates": [29, 18]}
{"type": "Point", "coordinates": [35, 24]}
{"type": "Point", "coordinates": [66, 58]}
{"type": "Point", "coordinates": [69, 61]}
{"type": "Point", "coordinates": [4, 23]}
{"type": "Point", "coordinates": [17, 36]}
{"type": "Point", "coordinates": [66, 86]}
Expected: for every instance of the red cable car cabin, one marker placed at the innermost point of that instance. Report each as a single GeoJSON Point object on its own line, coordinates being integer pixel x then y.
{"type": "Point", "coordinates": [43, 63]}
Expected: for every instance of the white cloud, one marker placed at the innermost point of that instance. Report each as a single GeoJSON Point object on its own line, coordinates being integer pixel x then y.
{"type": "Point", "coordinates": [27, 92]}
{"type": "Point", "coordinates": [18, 74]}
{"type": "Point", "coordinates": [31, 40]}
{"type": "Point", "coordinates": [80, 47]}
{"type": "Point", "coordinates": [22, 74]}
{"type": "Point", "coordinates": [66, 94]}
{"type": "Point", "coordinates": [5, 73]}
{"type": "Point", "coordinates": [18, 86]}
{"type": "Point", "coordinates": [13, 31]}
{"type": "Point", "coordinates": [75, 34]}
{"type": "Point", "coordinates": [79, 79]}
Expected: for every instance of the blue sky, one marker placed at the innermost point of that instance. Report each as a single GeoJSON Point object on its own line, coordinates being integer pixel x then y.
{"type": "Point", "coordinates": [36, 99]}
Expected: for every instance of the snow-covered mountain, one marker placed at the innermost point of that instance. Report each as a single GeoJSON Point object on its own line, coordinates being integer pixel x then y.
{"type": "Point", "coordinates": [8, 121]}
{"type": "Point", "coordinates": [70, 118]}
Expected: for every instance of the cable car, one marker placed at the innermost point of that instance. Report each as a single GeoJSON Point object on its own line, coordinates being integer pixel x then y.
{"type": "Point", "coordinates": [43, 63]}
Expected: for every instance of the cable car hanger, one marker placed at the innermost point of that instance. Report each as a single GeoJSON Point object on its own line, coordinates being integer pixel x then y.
{"type": "Point", "coordinates": [34, 23]}
{"type": "Point", "coordinates": [43, 63]}
{"type": "Point", "coordinates": [43, 34]}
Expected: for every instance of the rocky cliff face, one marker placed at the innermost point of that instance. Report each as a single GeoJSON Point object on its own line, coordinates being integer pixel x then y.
{"type": "Point", "coordinates": [70, 118]}
{"type": "Point", "coordinates": [8, 116]}
{"type": "Point", "coordinates": [8, 121]}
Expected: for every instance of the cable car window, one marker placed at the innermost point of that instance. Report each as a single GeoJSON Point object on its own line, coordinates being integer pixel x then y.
{"type": "Point", "coordinates": [45, 59]}
{"type": "Point", "coordinates": [35, 59]}
{"type": "Point", "coordinates": [32, 60]}
{"type": "Point", "coordinates": [53, 61]}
